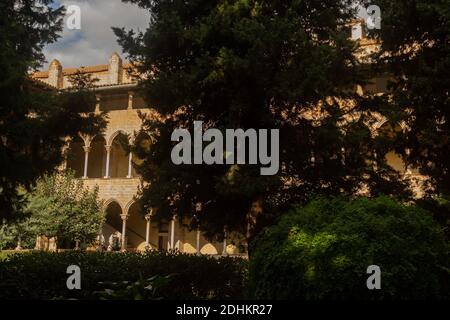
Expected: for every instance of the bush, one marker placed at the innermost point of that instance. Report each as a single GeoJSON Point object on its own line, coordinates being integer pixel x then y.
{"type": "Point", "coordinates": [6, 253]}
{"type": "Point", "coordinates": [323, 250]}
{"type": "Point", "coordinates": [41, 275]}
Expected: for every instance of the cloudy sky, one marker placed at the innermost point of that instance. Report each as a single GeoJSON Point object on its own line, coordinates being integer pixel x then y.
{"type": "Point", "coordinates": [95, 41]}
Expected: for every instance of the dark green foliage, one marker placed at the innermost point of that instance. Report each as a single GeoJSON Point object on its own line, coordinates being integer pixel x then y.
{"type": "Point", "coordinates": [58, 206]}
{"type": "Point", "coordinates": [8, 237]}
{"type": "Point", "coordinates": [415, 36]}
{"type": "Point", "coordinates": [34, 118]}
{"type": "Point", "coordinates": [322, 251]}
{"type": "Point", "coordinates": [19, 231]}
{"type": "Point", "coordinates": [43, 275]}
{"type": "Point", "coordinates": [252, 64]}
{"type": "Point", "coordinates": [440, 208]}
{"type": "Point", "coordinates": [142, 289]}
{"type": "Point", "coordinates": [61, 206]}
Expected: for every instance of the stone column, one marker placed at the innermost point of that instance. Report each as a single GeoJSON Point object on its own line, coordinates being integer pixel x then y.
{"type": "Point", "coordinates": [172, 233]}
{"type": "Point", "coordinates": [108, 157]}
{"type": "Point", "coordinates": [130, 100]}
{"type": "Point", "coordinates": [97, 103]}
{"type": "Point", "coordinates": [408, 168]}
{"type": "Point", "coordinates": [148, 218]}
{"type": "Point", "coordinates": [343, 156]}
{"type": "Point", "coordinates": [198, 209]}
{"type": "Point", "coordinates": [130, 165]}
{"type": "Point", "coordinates": [86, 161]}
{"type": "Point", "coordinates": [225, 233]}
{"type": "Point", "coordinates": [198, 241]}
{"type": "Point", "coordinates": [124, 231]}
{"type": "Point", "coordinates": [375, 162]}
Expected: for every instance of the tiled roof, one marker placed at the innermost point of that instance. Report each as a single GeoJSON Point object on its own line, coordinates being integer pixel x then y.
{"type": "Point", "coordinates": [40, 74]}
{"type": "Point", "coordinates": [38, 81]}
{"type": "Point", "coordinates": [71, 71]}
{"type": "Point", "coordinates": [42, 83]}
{"type": "Point", "coordinates": [115, 85]}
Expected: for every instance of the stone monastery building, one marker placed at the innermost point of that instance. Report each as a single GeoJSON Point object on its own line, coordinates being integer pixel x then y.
{"type": "Point", "coordinates": [101, 161]}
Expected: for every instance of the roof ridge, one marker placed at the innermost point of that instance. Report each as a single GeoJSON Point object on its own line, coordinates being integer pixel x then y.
{"type": "Point", "coordinates": [82, 69]}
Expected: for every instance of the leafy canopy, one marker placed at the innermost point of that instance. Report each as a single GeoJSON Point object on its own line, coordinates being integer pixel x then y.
{"type": "Point", "coordinates": [286, 65]}
{"type": "Point", "coordinates": [60, 206]}
{"type": "Point", "coordinates": [35, 119]}
{"type": "Point", "coordinates": [415, 37]}
{"type": "Point", "coordinates": [322, 251]}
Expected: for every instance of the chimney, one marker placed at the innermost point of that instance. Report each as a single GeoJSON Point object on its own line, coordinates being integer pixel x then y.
{"type": "Point", "coordinates": [115, 69]}
{"type": "Point", "coordinates": [55, 74]}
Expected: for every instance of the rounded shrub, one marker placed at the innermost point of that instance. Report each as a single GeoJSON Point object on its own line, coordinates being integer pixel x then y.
{"type": "Point", "coordinates": [323, 251]}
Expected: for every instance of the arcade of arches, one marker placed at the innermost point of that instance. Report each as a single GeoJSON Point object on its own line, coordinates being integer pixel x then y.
{"type": "Point", "coordinates": [94, 158]}
{"type": "Point", "coordinates": [126, 227]}
{"type": "Point", "coordinates": [129, 229]}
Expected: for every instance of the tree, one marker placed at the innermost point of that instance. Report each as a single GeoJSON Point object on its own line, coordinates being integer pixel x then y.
{"type": "Point", "coordinates": [60, 206]}
{"type": "Point", "coordinates": [415, 50]}
{"type": "Point", "coordinates": [35, 120]}
{"type": "Point", "coordinates": [7, 236]}
{"type": "Point", "coordinates": [286, 65]}
{"type": "Point", "coordinates": [322, 251]}
{"type": "Point", "coordinates": [18, 233]}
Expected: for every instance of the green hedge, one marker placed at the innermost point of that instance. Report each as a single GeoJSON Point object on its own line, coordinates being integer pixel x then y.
{"type": "Point", "coordinates": [5, 254]}
{"type": "Point", "coordinates": [322, 251]}
{"type": "Point", "coordinates": [40, 275]}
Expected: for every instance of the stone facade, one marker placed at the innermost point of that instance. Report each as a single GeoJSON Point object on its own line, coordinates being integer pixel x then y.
{"type": "Point", "coordinates": [100, 161]}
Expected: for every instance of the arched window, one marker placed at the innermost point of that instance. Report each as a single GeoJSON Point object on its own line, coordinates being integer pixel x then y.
{"type": "Point", "coordinates": [97, 158]}
{"type": "Point", "coordinates": [136, 226]}
{"type": "Point", "coordinates": [75, 157]}
{"type": "Point", "coordinates": [113, 213]}
{"type": "Point", "coordinates": [112, 227]}
{"type": "Point", "coordinates": [143, 142]}
{"type": "Point", "coordinates": [119, 160]}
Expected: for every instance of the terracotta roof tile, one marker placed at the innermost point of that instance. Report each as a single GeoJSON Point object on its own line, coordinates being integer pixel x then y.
{"type": "Point", "coordinates": [88, 69]}
{"type": "Point", "coordinates": [40, 74]}
{"type": "Point", "coordinates": [42, 83]}
{"type": "Point", "coordinates": [114, 85]}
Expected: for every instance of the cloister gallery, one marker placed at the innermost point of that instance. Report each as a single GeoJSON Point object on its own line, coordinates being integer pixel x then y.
{"type": "Point", "coordinates": [101, 161]}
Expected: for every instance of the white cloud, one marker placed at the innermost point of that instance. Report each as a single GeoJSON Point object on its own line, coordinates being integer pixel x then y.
{"type": "Point", "coordinates": [95, 42]}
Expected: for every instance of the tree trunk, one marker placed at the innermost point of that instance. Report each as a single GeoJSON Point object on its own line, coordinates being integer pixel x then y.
{"type": "Point", "coordinates": [252, 222]}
